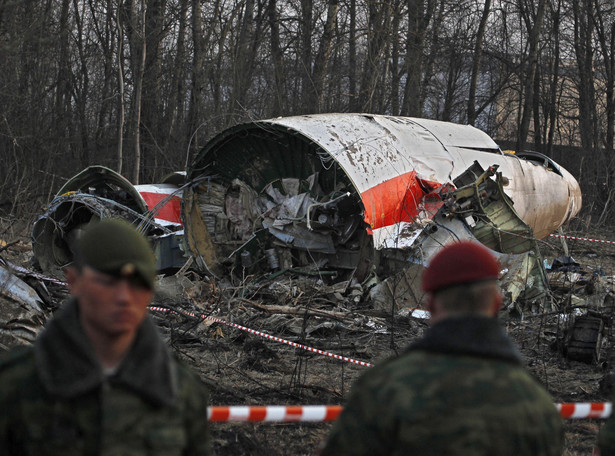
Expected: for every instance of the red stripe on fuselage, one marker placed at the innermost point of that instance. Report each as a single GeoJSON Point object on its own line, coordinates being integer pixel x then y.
{"type": "Point", "coordinates": [171, 211]}
{"type": "Point", "coordinates": [397, 200]}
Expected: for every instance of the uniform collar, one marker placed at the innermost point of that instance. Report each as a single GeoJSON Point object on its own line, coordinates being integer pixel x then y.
{"type": "Point", "coordinates": [470, 335]}
{"type": "Point", "coordinates": [67, 365]}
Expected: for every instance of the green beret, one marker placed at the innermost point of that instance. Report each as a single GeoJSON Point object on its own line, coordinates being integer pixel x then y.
{"type": "Point", "coordinates": [115, 247]}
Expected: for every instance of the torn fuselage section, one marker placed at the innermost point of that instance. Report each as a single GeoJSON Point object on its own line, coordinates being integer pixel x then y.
{"type": "Point", "coordinates": [489, 215]}
{"type": "Point", "coordinates": [474, 207]}
{"type": "Point", "coordinates": [98, 192]}
{"type": "Point", "coordinates": [287, 211]}
{"type": "Point", "coordinates": [343, 196]}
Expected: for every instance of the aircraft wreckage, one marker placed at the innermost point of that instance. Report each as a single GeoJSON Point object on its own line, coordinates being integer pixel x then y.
{"type": "Point", "coordinates": [341, 197]}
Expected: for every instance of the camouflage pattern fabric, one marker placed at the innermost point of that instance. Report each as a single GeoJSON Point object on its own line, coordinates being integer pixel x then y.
{"type": "Point", "coordinates": [430, 403]}
{"type": "Point", "coordinates": [111, 417]}
{"type": "Point", "coordinates": [606, 437]}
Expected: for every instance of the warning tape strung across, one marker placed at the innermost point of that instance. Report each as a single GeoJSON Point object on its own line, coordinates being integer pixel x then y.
{"type": "Point", "coordinates": [302, 413]}
{"type": "Point", "coordinates": [270, 337]}
{"type": "Point", "coordinates": [582, 239]}
{"type": "Point", "coordinates": [299, 413]}
{"type": "Point", "coordinates": [273, 413]}
{"type": "Point", "coordinates": [580, 410]}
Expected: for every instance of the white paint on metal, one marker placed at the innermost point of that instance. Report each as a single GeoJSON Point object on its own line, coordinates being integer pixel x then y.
{"type": "Point", "coordinates": [372, 149]}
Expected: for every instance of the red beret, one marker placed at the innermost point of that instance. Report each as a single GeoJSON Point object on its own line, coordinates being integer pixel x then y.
{"type": "Point", "coordinates": [460, 262]}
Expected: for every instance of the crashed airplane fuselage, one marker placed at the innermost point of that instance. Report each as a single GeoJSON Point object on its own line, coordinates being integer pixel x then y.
{"type": "Point", "coordinates": [323, 193]}
{"type": "Point", "coordinates": [334, 196]}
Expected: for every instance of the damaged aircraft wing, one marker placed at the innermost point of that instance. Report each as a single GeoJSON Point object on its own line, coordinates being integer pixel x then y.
{"type": "Point", "coordinates": [344, 195]}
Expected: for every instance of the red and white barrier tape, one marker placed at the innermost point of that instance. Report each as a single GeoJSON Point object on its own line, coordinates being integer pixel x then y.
{"type": "Point", "coordinates": [580, 410]}
{"type": "Point", "coordinates": [270, 337]}
{"type": "Point", "coordinates": [582, 239]}
{"type": "Point", "coordinates": [286, 413]}
{"type": "Point", "coordinates": [302, 413]}
{"type": "Point", "coordinates": [273, 413]}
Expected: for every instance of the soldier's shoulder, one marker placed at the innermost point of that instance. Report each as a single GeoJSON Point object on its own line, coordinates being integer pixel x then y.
{"type": "Point", "coordinates": [16, 367]}
{"type": "Point", "coordinates": [393, 373]}
{"type": "Point", "coordinates": [188, 378]}
{"type": "Point", "coordinates": [16, 357]}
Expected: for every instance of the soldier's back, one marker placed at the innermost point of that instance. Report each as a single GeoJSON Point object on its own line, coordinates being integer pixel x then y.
{"type": "Point", "coordinates": [426, 403]}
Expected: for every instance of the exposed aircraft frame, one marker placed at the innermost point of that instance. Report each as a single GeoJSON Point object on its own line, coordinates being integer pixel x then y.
{"type": "Point", "coordinates": [336, 196]}
{"type": "Point", "coordinates": [332, 192]}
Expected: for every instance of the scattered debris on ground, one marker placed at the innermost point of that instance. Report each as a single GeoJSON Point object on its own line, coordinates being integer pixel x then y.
{"type": "Point", "coordinates": [570, 348]}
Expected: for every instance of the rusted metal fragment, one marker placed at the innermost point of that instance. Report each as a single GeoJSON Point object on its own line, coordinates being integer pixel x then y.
{"type": "Point", "coordinates": [196, 233]}
{"type": "Point", "coordinates": [583, 342]}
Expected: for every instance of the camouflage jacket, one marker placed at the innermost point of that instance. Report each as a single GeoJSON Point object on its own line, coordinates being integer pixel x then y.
{"type": "Point", "coordinates": [55, 399]}
{"type": "Point", "coordinates": [460, 390]}
{"type": "Point", "coordinates": [606, 437]}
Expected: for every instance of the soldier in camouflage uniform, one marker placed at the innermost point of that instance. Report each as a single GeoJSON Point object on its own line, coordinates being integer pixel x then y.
{"type": "Point", "coordinates": [99, 379]}
{"type": "Point", "coordinates": [460, 390]}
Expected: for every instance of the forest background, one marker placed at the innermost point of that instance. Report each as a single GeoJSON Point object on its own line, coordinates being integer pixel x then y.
{"type": "Point", "coordinates": [141, 85]}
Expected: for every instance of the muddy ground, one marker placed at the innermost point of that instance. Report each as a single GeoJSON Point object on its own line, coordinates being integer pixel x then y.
{"type": "Point", "coordinates": [245, 369]}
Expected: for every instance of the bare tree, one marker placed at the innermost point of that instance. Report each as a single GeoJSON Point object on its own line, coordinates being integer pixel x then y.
{"type": "Point", "coordinates": [585, 57]}
{"type": "Point", "coordinates": [277, 58]}
{"type": "Point", "coordinates": [605, 32]}
{"type": "Point", "coordinates": [420, 13]}
{"type": "Point", "coordinates": [533, 20]}
{"type": "Point", "coordinates": [321, 62]}
{"type": "Point", "coordinates": [379, 24]}
{"type": "Point", "coordinates": [198, 68]}
{"type": "Point", "coordinates": [476, 59]}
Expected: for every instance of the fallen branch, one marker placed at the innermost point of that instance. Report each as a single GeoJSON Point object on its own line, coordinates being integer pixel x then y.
{"type": "Point", "coordinates": [275, 309]}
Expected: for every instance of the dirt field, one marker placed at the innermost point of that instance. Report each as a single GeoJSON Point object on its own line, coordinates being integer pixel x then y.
{"type": "Point", "coordinates": [246, 369]}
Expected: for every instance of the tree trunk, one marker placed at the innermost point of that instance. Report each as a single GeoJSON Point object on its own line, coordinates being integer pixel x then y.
{"type": "Point", "coordinates": [606, 40]}
{"type": "Point", "coordinates": [198, 64]}
{"type": "Point", "coordinates": [476, 58]}
{"type": "Point", "coordinates": [419, 16]}
{"type": "Point", "coordinates": [379, 24]}
{"type": "Point", "coordinates": [323, 55]}
{"type": "Point", "coordinates": [175, 114]}
{"type": "Point", "coordinates": [152, 109]}
{"type": "Point", "coordinates": [530, 73]}
{"type": "Point", "coordinates": [352, 58]}
{"type": "Point", "coordinates": [584, 54]}
{"type": "Point", "coordinates": [138, 99]}
{"type": "Point", "coordinates": [306, 54]}
{"type": "Point", "coordinates": [277, 107]}
{"type": "Point", "coordinates": [120, 98]}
